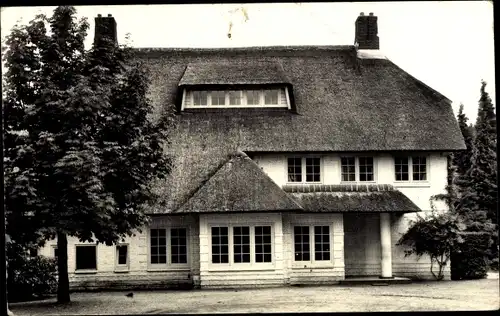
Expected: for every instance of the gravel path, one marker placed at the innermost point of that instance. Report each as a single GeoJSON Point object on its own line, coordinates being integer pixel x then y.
{"type": "Point", "coordinates": [421, 296]}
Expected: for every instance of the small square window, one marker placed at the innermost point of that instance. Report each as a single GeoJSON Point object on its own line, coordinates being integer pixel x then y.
{"type": "Point", "coordinates": [348, 168]}
{"type": "Point", "coordinates": [218, 97]}
{"type": "Point", "coordinates": [235, 97]}
{"type": "Point", "coordinates": [86, 257]}
{"type": "Point", "coordinates": [271, 96]}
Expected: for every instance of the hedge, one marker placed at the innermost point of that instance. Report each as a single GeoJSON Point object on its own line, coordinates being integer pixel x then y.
{"type": "Point", "coordinates": [469, 259]}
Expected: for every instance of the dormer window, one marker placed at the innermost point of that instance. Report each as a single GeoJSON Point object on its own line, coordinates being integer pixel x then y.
{"type": "Point", "coordinates": [236, 98]}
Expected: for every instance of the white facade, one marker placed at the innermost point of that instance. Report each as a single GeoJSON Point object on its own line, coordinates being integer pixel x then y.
{"type": "Point", "coordinates": [355, 246]}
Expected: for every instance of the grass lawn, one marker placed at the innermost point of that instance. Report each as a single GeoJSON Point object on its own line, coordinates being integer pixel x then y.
{"type": "Point", "coordinates": [418, 296]}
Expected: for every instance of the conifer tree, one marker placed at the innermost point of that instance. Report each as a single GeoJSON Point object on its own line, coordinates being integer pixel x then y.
{"type": "Point", "coordinates": [80, 151]}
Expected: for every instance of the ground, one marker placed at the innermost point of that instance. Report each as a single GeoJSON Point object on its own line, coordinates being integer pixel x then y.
{"type": "Point", "coordinates": [418, 296]}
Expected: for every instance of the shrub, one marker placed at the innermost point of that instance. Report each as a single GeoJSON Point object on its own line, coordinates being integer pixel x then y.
{"type": "Point", "coordinates": [436, 235]}
{"type": "Point", "coordinates": [29, 278]}
{"type": "Point", "coordinates": [469, 259]}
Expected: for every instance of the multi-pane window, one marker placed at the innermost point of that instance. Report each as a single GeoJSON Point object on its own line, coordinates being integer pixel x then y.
{"type": "Point", "coordinates": [301, 243]}
{"type": "Point", "coordinates": [401, 168]}
{"type": "Point", "coordinates": [220, 245]}
{"type": "Point", "coordinates": [121, 255]}
{"type": "Point", "coordinates": [241, 244]}
{"type": "Point", "coordinates": [237, 98]}
{"type": "Point", "coordinates": [178, 245]}
{"type": "Point", "coordinates": [253, 97]}
{"type": "Point", "coordinates": [348, 168]}
{"type": "Point", "coordinates": [357, 169]}
{"type": "Point", "coordinates": [200, 98]}
{"type": "Point", "coordinates": [321, 243]}
{"type": "Point", "coordinates": [365, 168]}
{"type": "Point", "coordinates": [297, 166]}
{"type": "Point", "coordinates": [417, 165]}
{"type": "Point", "coordinates": [304, 246]}
{"type": "Point", "coordinates": [218, 97]}
{"type": "Point", "coordinates": [158, 246]}
{"type": "Point", "coordinates": [294, 169]}
{"type": "Point", "coordinates": [262, 243]}
{"type": "Point", "coordinates": [271, 96]}
{"type": "Point", "coordinates": [86, 257]}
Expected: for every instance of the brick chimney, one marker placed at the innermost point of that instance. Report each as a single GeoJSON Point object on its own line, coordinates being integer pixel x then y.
{"type": "Point", "coordinates": [366, 32]}
{"type": "Point", "coordinates": [105, 27]}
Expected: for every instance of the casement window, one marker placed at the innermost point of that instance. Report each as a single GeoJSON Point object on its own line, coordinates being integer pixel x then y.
{"type": "Point", "coordinates": [304, 169]}
{"type": "Point", "coordinates": [55, 252]}
{"type": "Point", "coordinates": [168, 246]}
{"type": "Point", "coordinates": [355, 169]}
{"type": "Point", "coordinates": [311, 240]}
{"type": "Point", "coordinates": [236, 98]}
{"type": "Point", "coordinates": [413, 168]}
{"type": "Point", "coordinates": [86, 257]}
{"type": "Point", "coordinates": [122, 257]}
{"type": "Point", "coordinates": [240, 244]}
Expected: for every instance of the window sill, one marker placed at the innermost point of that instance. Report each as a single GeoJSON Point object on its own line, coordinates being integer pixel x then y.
{"type": "Point", "coordinates": [168, 269]}
{"type": "Point", "coordinates": [233, 268]}
{"type": "Point", "coordinates": [121, 270]}
{"type": "Point", "coordinates": [92, 271]}
{"type": "Point", "coordinates": [296, 266]}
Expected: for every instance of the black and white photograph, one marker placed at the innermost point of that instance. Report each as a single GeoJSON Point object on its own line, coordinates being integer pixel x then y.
{"type": "Point", "coordinates": [206, 158]}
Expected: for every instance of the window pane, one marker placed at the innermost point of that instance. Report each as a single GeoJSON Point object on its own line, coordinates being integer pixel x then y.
{"type": "Point", "coordinates": [294, 170]}
{"type": "Point", "coordinates": [200, 97]}
{"type": "Point", "coordinates": [235, 97]}
{"type": "Point", "coordinates": [122, 254]}
{"type": "Point", "coordinates": [401, 168]}
{"type": "Point", "coordinates": [86, 257]}
{"type": "Point", "coordinates": [218, 97]}
{"type": "Point", "coordinates": [321, 243]}
{"type": "Point", "coordinates": [271, 96]}
{"type": "Point", "coordinates": [348, 169]}
{"type": "Point", "coordinates": [158, 246]}
{"type": "Point", "coordinates": [220, 245]}
{"type": "Point", "coordinates": [365, 168]}
{"type": "Point", "coordinates": [312, 169]}
{"type": "Point", "coordinates": [263, 244]}
{"type": "Point", "coordinates": [241, 244]}
{"type": "Point", "coordinates": [178, 241]}
{"type": "Point", "coordinates": [301, 243]}
{"type": "Point", "coordinates": [419, 165]}
{"type": "Point", "coordinates": [253, 97]}
{"type": "Point", "coordinates": [56, 252]}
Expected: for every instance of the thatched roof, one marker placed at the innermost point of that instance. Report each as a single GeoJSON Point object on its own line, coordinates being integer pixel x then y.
{"type": "Point", "coordinates": [239, 186]}
{"type": "Point", "coordinates": [231, 73]}
{"type": "Point", "coordinates": [347, 198]}
{"type": "Point", "coordinates": [343, 104]}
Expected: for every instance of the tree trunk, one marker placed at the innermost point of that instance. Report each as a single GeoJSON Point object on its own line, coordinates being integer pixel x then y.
{"type": "Point", "coordinates": [62, 269]}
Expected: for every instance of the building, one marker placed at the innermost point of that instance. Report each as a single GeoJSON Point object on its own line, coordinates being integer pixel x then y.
{"type": "Point", "coordinates": [292, 165]}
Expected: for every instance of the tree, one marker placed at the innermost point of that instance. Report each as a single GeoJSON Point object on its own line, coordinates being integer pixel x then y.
{"type": "Point", "coordinates": [80, 150]}
{"type": "Point", "coordinates": [435, 235]}
{"type": "Point", "coordinates": [462, 160]}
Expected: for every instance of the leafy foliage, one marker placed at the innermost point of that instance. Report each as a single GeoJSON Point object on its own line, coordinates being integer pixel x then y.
{"type": "Point", "coordinates": [28, 277]}
{"type": "Point", "coordinates": [435, 235]}
{"type": "Point", "coordinates": [80, 150]}
{"type": "Point", "coordinates": [468, 260]}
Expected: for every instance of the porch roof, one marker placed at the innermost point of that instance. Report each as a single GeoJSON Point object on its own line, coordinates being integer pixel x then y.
{"type": "Point", "coordinates": [351, 198]}
{"type": "Point", "coordinates": [239, 185]}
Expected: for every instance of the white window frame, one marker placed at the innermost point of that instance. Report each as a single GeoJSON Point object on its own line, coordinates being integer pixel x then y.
{"type": "Point", "coordinates": [96, 259]}
{"type": "Point", "coordinates": [189, 96]}
{"type": "Point", "coordinates": [252, 265]}
{"type": "Point", "coordinates": [169, 265]}
{"type": "Point", "coordinates": [356, 168]}
{"type": "Point", "coordinates": [122, 267]}
{"type": "Point", "coordinates": [410, 169]}
{"type": "Point", "coordinates": [304, 170]}
{"type": "Point", "coordinates": [312, 258]}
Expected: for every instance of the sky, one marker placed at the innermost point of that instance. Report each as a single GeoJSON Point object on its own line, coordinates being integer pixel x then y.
{"type": "Point", "coordinates": [446, 44]}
